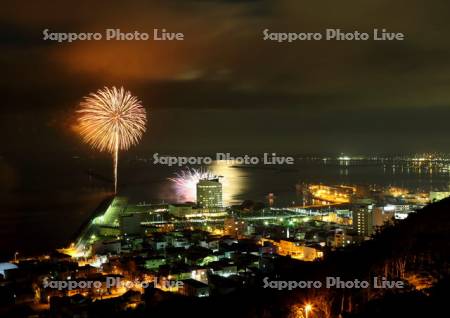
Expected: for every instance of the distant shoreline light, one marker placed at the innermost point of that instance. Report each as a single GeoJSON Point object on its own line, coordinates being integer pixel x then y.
{"type": "Point", "coordinates": [266, 159]}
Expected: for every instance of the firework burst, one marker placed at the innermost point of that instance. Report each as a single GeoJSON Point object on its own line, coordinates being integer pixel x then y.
{"type": "Point", "coordinates": [185, 182]}
{"type": "Point", "coordinates": [111, 120]}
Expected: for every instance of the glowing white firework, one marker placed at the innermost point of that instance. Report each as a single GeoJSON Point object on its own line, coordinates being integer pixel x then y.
{"type": "Point", "coordinates": [185, 182]}
{"type": "Point", "coordinates": [111, 120]}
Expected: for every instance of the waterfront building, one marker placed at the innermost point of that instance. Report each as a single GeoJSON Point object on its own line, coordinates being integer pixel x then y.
{"type": "Point", "coordinates": [209, 195]}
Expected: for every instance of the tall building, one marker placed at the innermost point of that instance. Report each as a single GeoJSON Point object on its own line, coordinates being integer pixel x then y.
{"type": "Point", "coordinates": [337, 240]}
{"type": "Point", "coordinates": [209, 194]}
{"type": "Point", "coordinates": [362, 219]}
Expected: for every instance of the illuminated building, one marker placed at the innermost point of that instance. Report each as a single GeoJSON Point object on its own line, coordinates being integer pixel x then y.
{"type": "Point", "coordinates": [106, 247]}
{"type": "Point", "coordinates": [209, 195]}
{"type": "Point", "coordinates": [437, 196]}
{"type": "Point", "coordinates": [295, 249]}
{"type": "Point", "coordinates": [332, 194]}
{"type": "Point", "coordinates": [180, 210]}
{"type": "Point", "coordinates": [339, 239]}
{"type": "Point", "coordinates": [397, 211]}
{"type": "Point", "coordinates": [194, 288]}
{"type": "Point", "coordinates": [234, 227]}
{"type": "Point", "coordinates": [362, 219]}
{"type": "Point", "coordinates": [154, 262]}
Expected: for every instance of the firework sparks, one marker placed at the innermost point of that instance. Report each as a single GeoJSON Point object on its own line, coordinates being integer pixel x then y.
{"type": "Point", "coordinates": [111, 120]}
{"type": "Point", "coordinates": [185, 182]}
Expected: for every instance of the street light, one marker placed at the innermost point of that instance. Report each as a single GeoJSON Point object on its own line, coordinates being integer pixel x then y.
{"type": "Point", "coordinates": [308, 308]}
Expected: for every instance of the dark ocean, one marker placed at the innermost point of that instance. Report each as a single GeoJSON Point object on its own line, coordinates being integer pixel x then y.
{"type": "Point", "coordinates": [44, 202]}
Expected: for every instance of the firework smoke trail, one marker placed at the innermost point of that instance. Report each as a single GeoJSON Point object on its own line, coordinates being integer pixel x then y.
{"type": "Point", "coordinates": [185, 182]}
{"type": "Point", "coordinates": [111, 120]}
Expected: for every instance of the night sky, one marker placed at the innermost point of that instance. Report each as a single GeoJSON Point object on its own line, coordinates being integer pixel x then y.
{"type": "Point", "coordinates": [225, 89]}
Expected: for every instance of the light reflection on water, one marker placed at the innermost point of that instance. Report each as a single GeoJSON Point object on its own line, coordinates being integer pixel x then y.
{"type": "Point", "coordinates": [55, 198]}
{"type": "Point", "coordinates": [256, 182]}
{"type": "Point", "coordinates": [234, 181]}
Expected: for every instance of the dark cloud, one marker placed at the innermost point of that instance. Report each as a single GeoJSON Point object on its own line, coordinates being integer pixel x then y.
{"type": "Point", "coordinates": [228, 87]}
